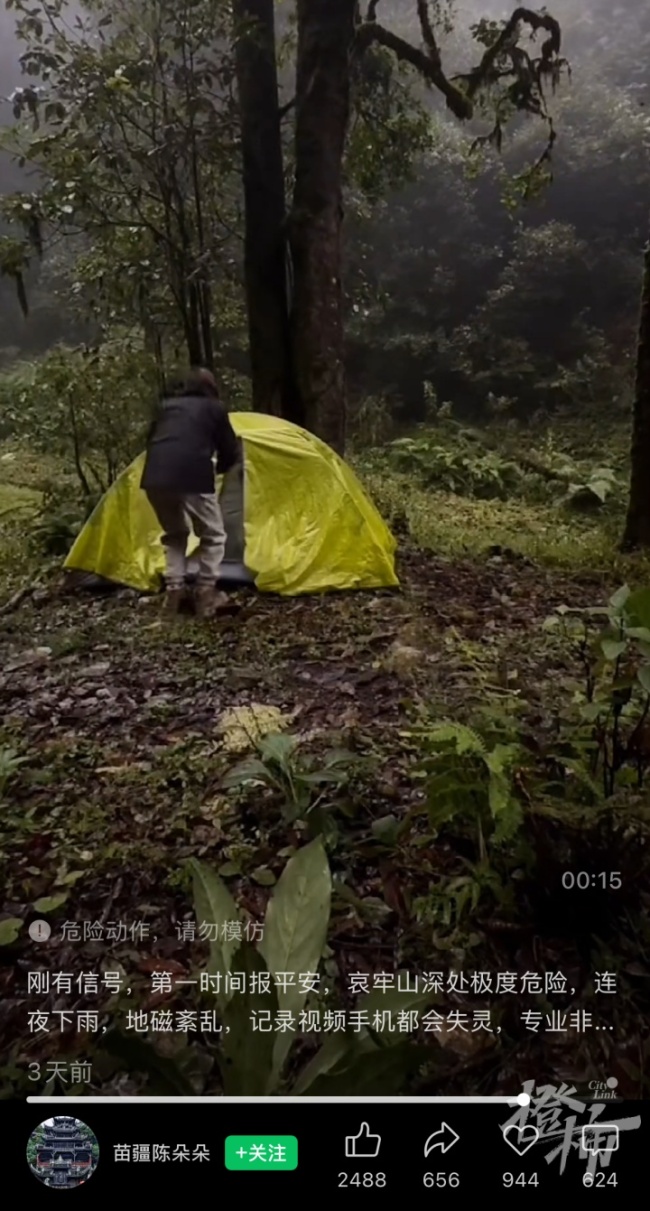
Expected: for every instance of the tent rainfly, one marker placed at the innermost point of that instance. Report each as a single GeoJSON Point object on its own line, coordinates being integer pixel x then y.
{"type": "Point", "coordinates": [297, 521]}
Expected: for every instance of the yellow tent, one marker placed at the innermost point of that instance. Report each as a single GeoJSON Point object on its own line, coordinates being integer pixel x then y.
{"type": "Point", "coordinates": [298, 522]}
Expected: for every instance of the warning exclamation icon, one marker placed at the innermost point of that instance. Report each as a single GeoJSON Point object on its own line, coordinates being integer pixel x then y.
{"type": "Point", "coordinates": [40, 931]}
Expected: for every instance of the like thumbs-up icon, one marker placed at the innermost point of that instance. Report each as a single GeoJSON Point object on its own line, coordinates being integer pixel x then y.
{"type": "Point", "coordinates": [364, 1144]}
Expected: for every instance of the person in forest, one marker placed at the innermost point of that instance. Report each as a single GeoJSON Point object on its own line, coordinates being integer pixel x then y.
{"type": "Point", "coordinates": [191, 428]}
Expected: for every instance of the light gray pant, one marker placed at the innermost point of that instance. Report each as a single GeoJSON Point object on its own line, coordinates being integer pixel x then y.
{"type": "Point", "coordinates": [178, 516]}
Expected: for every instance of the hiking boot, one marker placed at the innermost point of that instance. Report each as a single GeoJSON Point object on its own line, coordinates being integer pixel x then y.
{"type": "Point", "coordinates": [208, 601]}
{"type": "Point", "coordinates": [173, 600]}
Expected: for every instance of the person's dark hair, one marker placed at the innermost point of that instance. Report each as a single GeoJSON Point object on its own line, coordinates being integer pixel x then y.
{"type": "Point", "coordinates": [197, 382]}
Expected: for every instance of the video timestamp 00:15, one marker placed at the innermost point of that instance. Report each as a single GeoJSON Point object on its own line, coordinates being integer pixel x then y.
{"type": "Point", "coordinates": [584, 880]}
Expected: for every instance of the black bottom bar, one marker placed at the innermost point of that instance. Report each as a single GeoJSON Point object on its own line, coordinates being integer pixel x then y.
{"type": "Point", "coordinates": [171, 1150]}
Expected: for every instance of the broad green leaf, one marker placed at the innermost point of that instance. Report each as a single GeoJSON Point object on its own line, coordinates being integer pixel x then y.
{"type": "Point", "coordinates": [637, 608]}
{"type": "Point", "coordinates": [214, 904]}
{"type": "Point", "coordinates": [246, 1054]}
{"type": "Point", "coordinates": [9, 930]}
{"type": "Point", "coordinates": [340, 757]}
{"type": "Point", "coordinates": [336, 1046]}
{"type": "Point", "coordinates": [263, 876]}
{"type": "Point", "coordinates": [137, 1056]}
{"type": "Point", "coordinates": [612, 649]}
{"type": "Point", "coordinates": [323, 777]}
{"type": "Point", "coordinates": [295, 929]}
{"type": "Point", "coordinates": [385, 1071]}
{"type": "Point", "coordinates": [73, 876]}
{"type": "Point", "coordinates": [51, 903]}
{"type": "Point", "coordinates": [641, 634]}
{"type": "Point", "coordinates": [251, 770]}
{"type": "Point", "coordinates": [619, 598]}
{"type": "Point", "coordinates": [278, 748]}
{"type": "Point", "coordinates": [385, 829]}
{"type": "Point", "coordinates": [229, 870]}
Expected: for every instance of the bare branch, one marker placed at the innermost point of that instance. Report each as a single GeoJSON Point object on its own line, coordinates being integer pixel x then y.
{"type": "Point", "coordinates": [506, 60]}
{"type": "Point", "coordinates": [503, 61]}
{"type": "Point", "coordinates": [506, 44]}
{"type": "Point", "coordinates": [428, 36]}
{"type": "Point", "coordinates": [425, 64]}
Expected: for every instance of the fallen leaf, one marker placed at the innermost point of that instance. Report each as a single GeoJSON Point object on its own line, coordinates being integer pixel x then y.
{"type": "Point", "coordinates": [264, 876]}
{"type": "Point", "coordinates": [51, 903]}
{"type": "Point", "coordinates": [72, 877]}
{"type": "Point", "coordinates": [402, 659]}
{"type": "Point", "coordinates": [242, 726]}
{"type": "Point", "coordinates": [228, 870]}
{"type": "Point", "coordinates": [9, 930]}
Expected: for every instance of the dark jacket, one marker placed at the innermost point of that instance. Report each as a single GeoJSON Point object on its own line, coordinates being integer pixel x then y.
{"type": "Point", "coordinates": [183, 439]}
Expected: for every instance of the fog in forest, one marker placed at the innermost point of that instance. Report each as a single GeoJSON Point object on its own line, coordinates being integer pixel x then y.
{"type": "Point", "coordinates": [608, 49]}
{"type": "Point", "coordinates": [448, 286]}
{"type": "Point", "coordinates": [609, 53]}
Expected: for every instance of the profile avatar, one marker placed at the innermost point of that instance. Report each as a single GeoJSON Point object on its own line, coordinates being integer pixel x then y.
{"type": "Point", "coordinates": [62, 1152]}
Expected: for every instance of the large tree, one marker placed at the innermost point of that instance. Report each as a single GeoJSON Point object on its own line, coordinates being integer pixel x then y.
{"type": "Point", "coordinates": [266, 267]}
{"type": "Point", "coordinates": [335, 42]}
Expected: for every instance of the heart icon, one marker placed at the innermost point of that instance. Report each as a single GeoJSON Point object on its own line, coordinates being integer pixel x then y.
{"type": "Point", "coordinates": [526, 1137]}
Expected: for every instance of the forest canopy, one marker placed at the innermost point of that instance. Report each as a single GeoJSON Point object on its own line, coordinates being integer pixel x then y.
{"type": "Point", "coordinates": [463, 269]}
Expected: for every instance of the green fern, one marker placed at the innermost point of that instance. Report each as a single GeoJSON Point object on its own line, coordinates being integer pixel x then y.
{"type": "Point", "coordinates": [465, 738]}
{"type": "Point", "coordinates": [575, 767]}
{"type": "Point", "coordinates": [471, 783]}
{"type": "Point", "coordinates": [506, 810]}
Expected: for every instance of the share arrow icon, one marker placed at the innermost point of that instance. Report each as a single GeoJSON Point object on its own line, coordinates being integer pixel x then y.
{"type": "Point", "coordinates": [444, 1139]}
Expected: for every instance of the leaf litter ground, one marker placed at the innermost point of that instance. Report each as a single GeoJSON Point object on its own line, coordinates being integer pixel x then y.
{"type": "Point", "coordinates": [122, 718]}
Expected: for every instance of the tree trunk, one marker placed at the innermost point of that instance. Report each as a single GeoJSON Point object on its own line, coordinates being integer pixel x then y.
{"type": "Point", "coordinates": [325, 35]}
{"type": "Point", "coordinates": [637, 525]}
{"type": "Point", "coordinates": [265, 253]}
